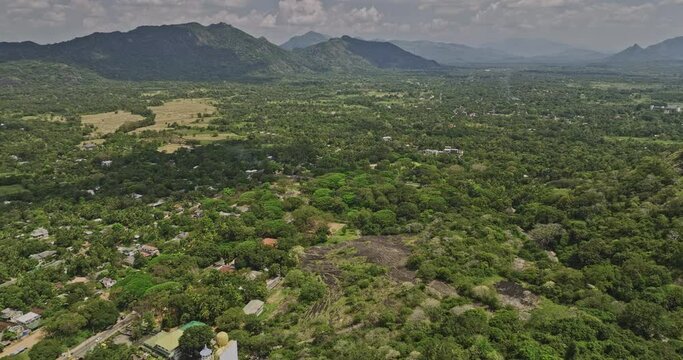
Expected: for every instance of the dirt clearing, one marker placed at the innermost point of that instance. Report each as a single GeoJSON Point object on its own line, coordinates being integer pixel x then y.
{"type": "Point", "coordinates": [181, 112]}
{"type": "Point", "coordinates": [108, 123]}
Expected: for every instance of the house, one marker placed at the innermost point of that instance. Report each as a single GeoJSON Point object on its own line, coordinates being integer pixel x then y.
{"type": "Point", "coordinates": [253, 275]}
{"type": "Point", "coordinates": [43, 255]}
{"type": "Point", "coordinates": [274, 282]}
{"type": "Point", "coordinates": [149, 251]}
{"type": "Point", "coordinates": [387, 138]}
{"type": "Point", "coordinates": [227, 268]}
{"type": "Point", "coordinates": [19, 330]}
{"type": "Point", "coordinates": [269, 242]}
{"type": "Point", "coordinates": [89, 146]}
{"type": "Point", "coordinates": [106, 163]}
{"type": "Point", "coordinates": [254, 307]}
{"type": "Point", "coordinates": [10, 314]}
{"type": "Point", "coordinates": [108, 282]}
{"type": "Point", "coordinates": [166, 344]}
{"type": "Point", "coordinates": [40, 233]}
{"type": "Point", "coordinates": [30, 320]}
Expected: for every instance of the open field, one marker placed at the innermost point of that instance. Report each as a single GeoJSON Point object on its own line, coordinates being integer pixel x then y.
{"type": "Point", "coordinates": [11, 190]}
{"type": "Point", "coordinates": [108, 123]}
{"type": "Point", "coordinates": [181, 112]}
{"type": "Point", "coordinates": [171, 148]}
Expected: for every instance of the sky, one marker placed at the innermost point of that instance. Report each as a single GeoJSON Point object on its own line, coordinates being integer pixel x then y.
{"type": "Point", "coordinates": [607, 25]}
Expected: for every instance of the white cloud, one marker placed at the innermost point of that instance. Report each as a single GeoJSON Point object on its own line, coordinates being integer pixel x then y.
{"type": "Point", "coordinates": [302, 12]}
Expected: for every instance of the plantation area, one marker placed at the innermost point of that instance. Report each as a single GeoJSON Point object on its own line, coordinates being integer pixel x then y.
{"type": "Point", "coordinates": [475, 214]}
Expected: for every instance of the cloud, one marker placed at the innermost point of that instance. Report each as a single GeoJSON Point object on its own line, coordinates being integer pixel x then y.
{"type": "Point", "coordinates": [302, 12]}
{"type": "Point", "coordinates": [596, 22]}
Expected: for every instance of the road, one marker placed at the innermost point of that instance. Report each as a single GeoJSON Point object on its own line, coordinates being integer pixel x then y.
{"type": "Point", "coordinates": [26, 343]}
{"type": "Point", "coordinates": [83, 348]}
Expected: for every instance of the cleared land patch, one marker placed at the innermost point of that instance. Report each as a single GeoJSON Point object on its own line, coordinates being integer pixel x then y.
{"type": "Point", "coordinates": [108, 123]}
{"type": "Point", "coordinates": [182, 112]}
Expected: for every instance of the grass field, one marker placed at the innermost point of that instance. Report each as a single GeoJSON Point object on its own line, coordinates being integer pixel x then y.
{"type": "Point", "coordinates": [181, 112]}
{"type": "Point", "coordinates": [171, 148]}
{"type": "Point", "coordinates": [108, 123]}
{"type": "Point", "coordinates": [8, 190]}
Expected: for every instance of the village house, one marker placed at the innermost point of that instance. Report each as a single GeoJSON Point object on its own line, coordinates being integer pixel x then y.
{"type": "Point", "coordinates": [149, 251]}
{"type": "Point", "coordinates": [41, 256]}
{"type": "Point", "coordinates": [40, 233]}
{"type": "Point", "coordinates": [225, 268]}
{"type": "Point", "coordinates": [165, 344]}
{"type": "Point", "coordinates": [108, 283]}
{"type": "Point", "coordinates": [10, 314]}
{"type": "Point", "coordinates": [273, 283]}
{"type": "Point", "coordinates": [254, 307]}
{"type": "Point", "coordinates": [106, 163]}
{"type": "Point", "coordinates": [29, 320]}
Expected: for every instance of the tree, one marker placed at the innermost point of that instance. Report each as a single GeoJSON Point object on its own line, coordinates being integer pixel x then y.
{"type": "Point", "coordinates": [100, 314]}
{"type": "Point", "coordinates": [66, 324]}
{"type": "Point", "coordinates": [194, 339]}
{"type": "Point", "coordinates": [48, 349]}
{"type": "Point", "coordinates": [643, 318]}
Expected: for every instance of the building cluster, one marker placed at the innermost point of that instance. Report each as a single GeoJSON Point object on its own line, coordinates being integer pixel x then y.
{"type": "Point", "coordinates": [19, 323]}
{"type": "Point", "coordinates": [166, 345]}
{"type": "Point", "coordinates": [667, 109]}
{"type": "Point", "coordinates": [129, 253]}
{"type": "Point", "coordinates": [446, 151]}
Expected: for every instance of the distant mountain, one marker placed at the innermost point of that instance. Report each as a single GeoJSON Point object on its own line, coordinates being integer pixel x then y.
{"type": "Point", "coordinates": [303, 41]}
{"type": "Point", "coordinates": [169, 52]}
{"type": "Point", "coordinates": [349, 54]}
{"type": "Point", "coordinates": [453, 54]}
{"type": "Point", "coordinates": [668, 50]}
{"type": "Point", "coordinates": [525, 47]}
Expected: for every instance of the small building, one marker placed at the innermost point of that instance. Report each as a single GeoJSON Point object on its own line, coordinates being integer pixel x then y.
{"type": "Point", "coordinates": [166, 344]}
{"type": "Point", "coordinates": [387, 138]}
{"type": "Point", "coordinates": [269, 242]}
{"type": "Point", "coordinates": [10, 314]}
{"type": "Point", "coordinates": [40, 233]}
{"type": "Point", "coordinates": [106, 163]}
{"type": "Point", "coordinates": [227, 268]}
{"type": "Point", "coordinates": [149, 251]}
{"type": "Point", "coordinates": [108, 283]}
{"type": "Point", "coordinates": [253, 275]}
{"type": "Point", "coordinates": [254, 307]}
{"type": "Point", "coordinates": [273, 283]}
{"type": "Point", "coordinates": [206, 353]}
{"type": "Point", "coordinates": [30, 320]}
{"type": "Point", "coordinates": [43, 255]}
{"type": "Point", "coordinates": [90, 146]}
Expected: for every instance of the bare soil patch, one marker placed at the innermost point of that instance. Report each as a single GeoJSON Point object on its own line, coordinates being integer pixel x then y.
{"type": "Point", "coordinates": [108, 123]}
{"type": "Point", "coordinates": [513, 294]}
{"type": "Point", "coordinates": [181, 112]}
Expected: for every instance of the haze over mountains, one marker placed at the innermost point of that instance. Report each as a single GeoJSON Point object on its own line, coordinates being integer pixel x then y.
{"type": "Point", "coordinates": [220, 51]}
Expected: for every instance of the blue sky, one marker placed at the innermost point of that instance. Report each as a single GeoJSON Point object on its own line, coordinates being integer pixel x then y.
{"type": "Point", "coordinates": [597, 24]}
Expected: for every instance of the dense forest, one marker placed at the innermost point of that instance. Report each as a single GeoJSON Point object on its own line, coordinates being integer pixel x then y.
{"type": "Point", "coordinates": [473, 214]}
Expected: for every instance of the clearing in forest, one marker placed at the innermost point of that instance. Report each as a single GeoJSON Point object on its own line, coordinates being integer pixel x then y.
{"type": "Point", "coordinates": [181, 112]}
{"type": "Point", "coordinates": [108, 123]}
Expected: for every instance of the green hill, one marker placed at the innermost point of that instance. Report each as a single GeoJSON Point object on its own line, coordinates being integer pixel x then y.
{"type": "Point", "coordinates": [350, 54]}
{"type": "Point", "coordinates": [170, 52]}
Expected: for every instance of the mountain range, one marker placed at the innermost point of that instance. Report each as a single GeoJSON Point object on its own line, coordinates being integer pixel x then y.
{"type": "Point", "coordinates": [215, 52]}
{"type": "Point", "coordinates": [668, 50]}
{"type": "Point", "coordinates": [221, 52]}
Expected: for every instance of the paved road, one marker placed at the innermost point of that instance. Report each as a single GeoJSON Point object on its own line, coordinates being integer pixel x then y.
{"type": "Point", "coordinates": [25, 343]}
{"type": "Point", "coordinates": [83, 348]}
